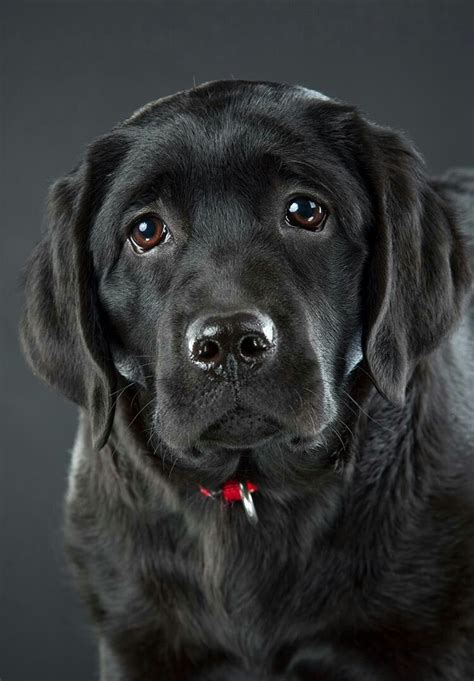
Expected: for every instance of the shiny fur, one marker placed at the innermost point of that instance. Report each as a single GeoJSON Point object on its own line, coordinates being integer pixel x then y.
{"type": "Point", "coordinates": [361, 566]}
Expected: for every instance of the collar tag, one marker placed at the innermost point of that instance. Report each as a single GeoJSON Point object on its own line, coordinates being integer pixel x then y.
{"type": "Point", "coordinates": [232, 491]}
{"type": "Point", "coordinates": [249, 506]}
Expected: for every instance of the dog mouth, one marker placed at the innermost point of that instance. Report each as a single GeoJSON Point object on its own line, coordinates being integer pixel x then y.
{"type": "Point", "coordinates": [240, 428]}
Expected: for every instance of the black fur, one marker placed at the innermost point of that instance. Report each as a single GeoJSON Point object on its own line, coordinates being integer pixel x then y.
{"type": "Point", "coordinates": [361, 566]}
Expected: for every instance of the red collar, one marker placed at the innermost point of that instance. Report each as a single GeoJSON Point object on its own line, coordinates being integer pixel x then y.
{"type": "Point", "coordinates": [230, 490]}
{"type": "Point", "coordinates": [233, 490]}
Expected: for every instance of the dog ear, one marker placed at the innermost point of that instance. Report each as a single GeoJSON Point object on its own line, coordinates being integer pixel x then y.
{"type": "Point", "coordinates": [418, 272]}
{"type": "Point", "coordinates": [61, 330]}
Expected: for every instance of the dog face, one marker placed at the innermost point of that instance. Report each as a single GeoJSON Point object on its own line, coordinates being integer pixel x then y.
{"type": "Point", "coordinates": [239, 311]}
{"type": "Point", "coordinates": [241, 253]}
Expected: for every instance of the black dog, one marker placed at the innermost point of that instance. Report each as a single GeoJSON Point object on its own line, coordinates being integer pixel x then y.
{"type": "Point", "coordinates": [258, 299]}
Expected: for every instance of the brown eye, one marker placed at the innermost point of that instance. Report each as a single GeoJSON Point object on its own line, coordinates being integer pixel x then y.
{"type": "Point", "coordinates": [306, 213]}
{"type": "Point", "coordinates": [147, 233]}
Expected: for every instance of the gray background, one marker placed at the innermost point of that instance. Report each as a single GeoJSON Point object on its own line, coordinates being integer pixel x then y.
{"type": "Point", "coordinates": [69, 72]}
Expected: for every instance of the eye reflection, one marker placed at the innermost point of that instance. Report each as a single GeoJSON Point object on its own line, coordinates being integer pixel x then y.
{"type": "Point", "coordinates": [305, 212]}
{"type": "Point", "coordinates": [147, 232]}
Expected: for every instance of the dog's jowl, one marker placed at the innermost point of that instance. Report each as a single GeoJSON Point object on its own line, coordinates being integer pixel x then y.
{"type": "Point", "coordinates": [260, 302]}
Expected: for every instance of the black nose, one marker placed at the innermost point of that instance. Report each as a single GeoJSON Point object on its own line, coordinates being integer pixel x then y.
{"type": "Point", "coordinates": [246, 337]}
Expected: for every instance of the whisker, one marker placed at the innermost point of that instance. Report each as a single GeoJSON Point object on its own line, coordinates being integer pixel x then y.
{"type": "Point", "coordinates": [142, 409]}
{"type": "Point", "coordinates": [121, 390]}
{"type": "Point", "coordinates": [338, 435]}
{"type": "Point", "coordinates": [172, 466]}
{"type": "Point", "coordinates": [381, 425]}
{"type": "Point", "coordinates": [345, 425]}
{"type": "Point", "coordinates": [358, 366]}
{"type": "Point", "coordinates": [325, 442]}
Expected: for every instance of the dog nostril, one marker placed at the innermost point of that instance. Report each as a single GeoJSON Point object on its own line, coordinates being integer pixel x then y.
{"type": "Point", "coordinates": [223, 341]}
{"type": "Point", "coordinates": [252, 347]}
{"type": "Point", "coordinates": [207, 351]}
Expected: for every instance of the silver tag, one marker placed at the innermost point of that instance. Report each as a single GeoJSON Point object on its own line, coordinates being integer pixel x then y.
{"type": "Point", "coordinates": [248, 504]}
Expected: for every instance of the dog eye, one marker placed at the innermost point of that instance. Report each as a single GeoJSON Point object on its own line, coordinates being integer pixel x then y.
{"type": "Point", "coordinates": [304, 212]}
{"type": "Point", "coordinates": [147, 232]}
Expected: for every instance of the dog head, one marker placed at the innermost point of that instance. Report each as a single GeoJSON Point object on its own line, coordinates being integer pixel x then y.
{"type": "Point", "coordinates": [241, 253]}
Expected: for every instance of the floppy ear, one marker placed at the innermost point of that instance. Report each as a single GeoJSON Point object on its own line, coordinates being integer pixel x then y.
{"type": "Point", "coordinates": [61, 331]}
{"type": "Point", "coordinates": [418, 272]}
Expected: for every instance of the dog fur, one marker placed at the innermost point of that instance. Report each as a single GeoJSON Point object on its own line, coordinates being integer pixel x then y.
{"type": "Point", "coordinates": [361, 565]}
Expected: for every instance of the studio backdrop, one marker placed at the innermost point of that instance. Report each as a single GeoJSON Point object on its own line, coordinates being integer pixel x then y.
{"type": "Point", "coordinates": [69, 72]}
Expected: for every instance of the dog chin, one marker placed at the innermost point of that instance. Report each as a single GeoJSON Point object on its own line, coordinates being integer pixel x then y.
{"type": "Point", "coordinates": [238, 428]}
{"type": "Point", "coordinates": [299, 460]}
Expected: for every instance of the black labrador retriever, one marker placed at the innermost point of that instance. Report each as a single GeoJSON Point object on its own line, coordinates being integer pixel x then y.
{"type": "Point", "coordinates": [259, 300]}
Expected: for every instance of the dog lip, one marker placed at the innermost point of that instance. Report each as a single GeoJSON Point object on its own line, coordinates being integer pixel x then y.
{"type": "Point", "coordinates": [240, 443]}
{"type": "Point", "coordinates": [240, 429]}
